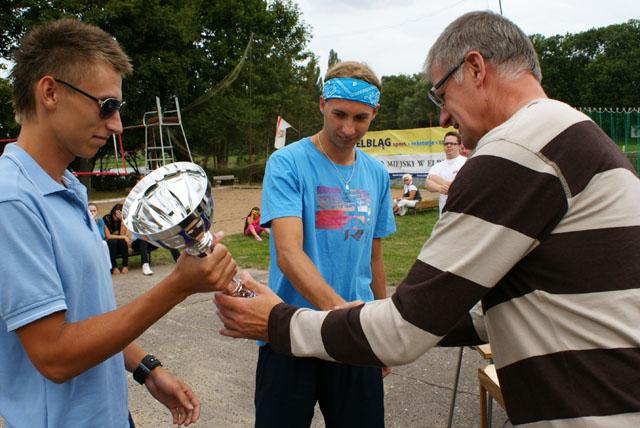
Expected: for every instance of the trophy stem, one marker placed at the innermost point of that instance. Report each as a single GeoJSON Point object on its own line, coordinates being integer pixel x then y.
{"type": "Point", "coordinates": [201, 247]}
{"type": "Point", "coordinates": [240, 290]}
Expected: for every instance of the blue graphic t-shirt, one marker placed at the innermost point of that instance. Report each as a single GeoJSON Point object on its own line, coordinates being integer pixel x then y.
{"type": "Point", "coordinates": [339, 224]}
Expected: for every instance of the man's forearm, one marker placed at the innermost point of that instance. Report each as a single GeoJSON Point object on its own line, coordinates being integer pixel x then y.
{"type": "Point", "coordinates": [76, 347]}
{"type": "Point", "coordinates": [433, 183]}
{"type": "Point", "coordinates": [306, 279]}
{"type": "Point", "coordinates": [378, 277]}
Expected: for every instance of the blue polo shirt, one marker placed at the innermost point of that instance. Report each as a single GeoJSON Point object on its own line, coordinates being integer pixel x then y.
{"type": "Point", "coordinates": [51, 260]}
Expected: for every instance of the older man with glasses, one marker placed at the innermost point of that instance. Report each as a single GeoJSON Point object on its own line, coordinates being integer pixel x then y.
{"type": "Point", "coordinates": [442, 174]}
{"type": "Point", "coordinates": [538, 231]}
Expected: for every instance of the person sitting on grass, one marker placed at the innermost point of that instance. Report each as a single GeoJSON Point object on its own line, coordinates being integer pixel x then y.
{"type": "Point", "coordinates": [117, 239]}
{"type": "Point", "coordinates": [252, 224]}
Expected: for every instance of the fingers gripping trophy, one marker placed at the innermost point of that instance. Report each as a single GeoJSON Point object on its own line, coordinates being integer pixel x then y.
{"type": "Point", "coordinates": [172, 207]}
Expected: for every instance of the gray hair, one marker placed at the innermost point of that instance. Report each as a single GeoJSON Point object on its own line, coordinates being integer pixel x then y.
{"type": "Point", "coordinates": [498, 40]}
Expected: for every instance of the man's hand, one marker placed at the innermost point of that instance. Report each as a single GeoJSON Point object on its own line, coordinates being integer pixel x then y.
{"type": "Point", "coordinates": [205, 274]}
{"type": "Point", "coordinates": [247, 317]}
{"type": "Point", "coordinates": [175, 395]}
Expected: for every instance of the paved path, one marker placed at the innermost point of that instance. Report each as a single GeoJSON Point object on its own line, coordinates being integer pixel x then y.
{"type": "Point", "coordinates": [221, 370]}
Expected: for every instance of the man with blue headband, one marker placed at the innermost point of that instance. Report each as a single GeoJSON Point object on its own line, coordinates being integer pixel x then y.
{"type": "Point", "coordinates": [328, 206]}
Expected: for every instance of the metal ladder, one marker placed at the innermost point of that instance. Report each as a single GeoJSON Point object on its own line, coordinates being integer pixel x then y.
{"type": "Point", "coordinates": [158, 151]}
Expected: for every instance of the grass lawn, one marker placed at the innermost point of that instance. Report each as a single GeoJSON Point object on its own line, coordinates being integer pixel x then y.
{"type": "Point", "coordinates": [401, 249]}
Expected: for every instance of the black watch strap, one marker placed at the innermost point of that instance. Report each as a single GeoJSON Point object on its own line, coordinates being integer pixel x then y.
{"type": "Point", "coordinates": [148, 363]}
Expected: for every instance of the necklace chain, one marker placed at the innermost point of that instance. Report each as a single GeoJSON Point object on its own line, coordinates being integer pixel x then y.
{"type": "Point", "coordinates": [353, 168]}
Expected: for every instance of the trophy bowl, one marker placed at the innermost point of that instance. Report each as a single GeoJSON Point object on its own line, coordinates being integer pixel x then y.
{"type": "Point", "coordinates": [172, 207]}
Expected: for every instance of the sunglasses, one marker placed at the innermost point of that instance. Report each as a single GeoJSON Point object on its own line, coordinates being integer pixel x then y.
{"type": "Point", "coordinates": [108, 106]}
{"type": "Point", "coordinates": [433, 92]}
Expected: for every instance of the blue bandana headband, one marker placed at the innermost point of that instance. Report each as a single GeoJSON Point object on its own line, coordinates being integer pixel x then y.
{"type": "Point", "coordinates": [350, 89]}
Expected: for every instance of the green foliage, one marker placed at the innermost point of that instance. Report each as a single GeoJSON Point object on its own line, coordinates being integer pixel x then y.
{"type": "Point", "coordinates": [596, 68]}
{"type": "Point", "coordinates": [8, 126]}
{"type": "Point", "coordinates": [404, 104]}
{"type": "Point", "coordinates": [252, 173]}
{"type": "Point", "coordinates": [184, 48]}
{"type": "Point", "coordinates": [112, 183]}
{"type": "Point", "coordinates": [333, 59]}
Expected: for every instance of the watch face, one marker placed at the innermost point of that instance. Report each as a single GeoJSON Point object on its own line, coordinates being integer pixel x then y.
{"type": "Point", "coordinates": [151, 362]}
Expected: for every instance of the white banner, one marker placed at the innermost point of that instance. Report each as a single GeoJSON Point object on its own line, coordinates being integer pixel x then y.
{"type": "Point", "coordinates": [281, 132]}
{"type": "Point", "coordinates": [417, 165]}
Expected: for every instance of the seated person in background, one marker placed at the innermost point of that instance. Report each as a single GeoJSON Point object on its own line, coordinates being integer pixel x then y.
{"type": "Point", "coordinates": [410, 196]}
{"type": "Point", "coordinates": [141, 245]}
{"type": "Point", "coordinates": [93, 211]}
{"type": "Point", "coordinates": [252, 224]}
{"type": "Point", "coordinates": [117, 239]}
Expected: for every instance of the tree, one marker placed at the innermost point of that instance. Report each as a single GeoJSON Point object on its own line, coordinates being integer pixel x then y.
{"type": "Point", "coordinates": [333, 59]}
{"type": "Point", "coordinates": [183, 49]}
{"type": "Point", "coordinates": [8, 126]}
{"type": "Point", "coordinates": [596, 68]}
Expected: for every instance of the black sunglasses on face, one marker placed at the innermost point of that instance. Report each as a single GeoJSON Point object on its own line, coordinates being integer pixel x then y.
{"type": "Point", "coordinates": [107, 106]}
{"type": "Point", "coordinates": [433, 95]}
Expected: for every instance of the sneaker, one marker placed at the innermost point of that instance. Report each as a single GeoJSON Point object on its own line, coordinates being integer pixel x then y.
{"type": "Point", "coordinates": [146, 269]}
{"type": "Point", "coordinates": [403, 210]}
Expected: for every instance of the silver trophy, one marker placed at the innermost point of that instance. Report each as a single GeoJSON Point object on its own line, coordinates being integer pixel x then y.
{"type": "Point", "coordinates": [172, 207]}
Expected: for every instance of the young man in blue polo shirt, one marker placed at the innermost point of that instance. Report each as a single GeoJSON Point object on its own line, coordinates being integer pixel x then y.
{"type": "Point", "coordinates": [64, 346]}
{"type": "Point", "coordinates": [328, 207]}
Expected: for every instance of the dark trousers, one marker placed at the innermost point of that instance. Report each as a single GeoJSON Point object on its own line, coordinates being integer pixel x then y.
{"type": "Point", "coordinates": [287, 389]}
{"type": "Point", "coordinates": [145, 247]}
{"type": "Point", "coordinates": [118, 247]}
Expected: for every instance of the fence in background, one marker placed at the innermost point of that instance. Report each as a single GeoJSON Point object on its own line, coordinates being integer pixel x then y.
{"type": "Point", "coordinates": [622, 125]}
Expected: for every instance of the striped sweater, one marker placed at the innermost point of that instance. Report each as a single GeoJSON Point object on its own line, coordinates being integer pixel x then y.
{"type": "Point", "coordinates": [543, 225]}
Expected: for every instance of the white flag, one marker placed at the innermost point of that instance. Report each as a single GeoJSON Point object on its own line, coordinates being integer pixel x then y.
{"type": "Point", "coordinates": [281, 132]}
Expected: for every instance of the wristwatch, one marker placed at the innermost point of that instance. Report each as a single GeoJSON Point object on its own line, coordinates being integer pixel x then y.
{"type": "Point", "coordinates": [148, 363]}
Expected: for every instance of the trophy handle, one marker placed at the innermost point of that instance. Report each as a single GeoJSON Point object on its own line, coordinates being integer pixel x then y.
{"type": "Point", "coordinates": [202, 248]}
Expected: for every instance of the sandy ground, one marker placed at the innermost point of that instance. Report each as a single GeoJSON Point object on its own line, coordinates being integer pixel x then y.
{"type": "Point", "coordinates": [231, 205]}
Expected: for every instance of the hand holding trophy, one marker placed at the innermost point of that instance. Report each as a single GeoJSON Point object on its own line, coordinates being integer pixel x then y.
{"type": "Point", "coordinates": [172, 207]}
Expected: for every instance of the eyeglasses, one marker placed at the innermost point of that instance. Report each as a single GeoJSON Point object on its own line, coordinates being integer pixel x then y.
{"type": "Point", "coordinates": [107, 106]}
{"type": "Point", "coordinates": [433, 95]}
